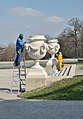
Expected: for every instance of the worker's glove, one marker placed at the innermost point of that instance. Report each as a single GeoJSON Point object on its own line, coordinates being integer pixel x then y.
{"type": "Point", "coordinates": [25, 42]}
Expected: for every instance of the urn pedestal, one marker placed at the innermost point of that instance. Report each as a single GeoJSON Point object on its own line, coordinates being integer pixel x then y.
{"type": "Point", "coordinates": [36, 49]}
{"type": "Point", "coordinates": [35, 78]}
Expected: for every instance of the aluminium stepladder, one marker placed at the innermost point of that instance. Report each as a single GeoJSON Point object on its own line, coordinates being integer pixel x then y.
{"type": "Point", "coordinates": [19, 76]}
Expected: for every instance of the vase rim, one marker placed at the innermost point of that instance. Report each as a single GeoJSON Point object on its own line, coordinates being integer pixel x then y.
{"type": "Point", "coordinates": [53, 41]}
{"type": "Point", "coordinates": [37, 37]}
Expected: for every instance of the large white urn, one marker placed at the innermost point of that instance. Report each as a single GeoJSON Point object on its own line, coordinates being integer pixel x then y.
{"type": "Point", "coordinates": [53, 47]}
{"type": "Point", "coordinates": [36, 48]}
{"type": "Point", "coordinates": [51, 66]}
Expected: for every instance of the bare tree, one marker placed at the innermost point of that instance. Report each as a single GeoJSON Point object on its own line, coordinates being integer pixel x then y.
{"type": "Point", "coordinates": [9, 52]}
{"type": "Point", "coordinates": [75, 23]}
{"type": "Point", "coordinates": [81, 36]}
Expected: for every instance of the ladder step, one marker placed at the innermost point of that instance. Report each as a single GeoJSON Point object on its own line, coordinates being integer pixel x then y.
{"type": "Point", "coordinates": [18, 79]}
{"type": "Point", "coordinates": [22, 69]}
{"type": "Point", "coordinates": [22, 78]}
{"type": "Point", "coordinates": [22, 84]}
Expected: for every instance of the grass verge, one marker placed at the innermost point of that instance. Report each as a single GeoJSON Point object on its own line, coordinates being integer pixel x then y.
{"type": "Point", "coordinates": [66, 89]}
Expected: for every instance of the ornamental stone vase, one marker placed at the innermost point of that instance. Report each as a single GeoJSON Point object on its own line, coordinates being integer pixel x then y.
{"type": "Point", "coordinates": [51, 66]}
{"type": "Point", "coordinates": [53, 47]}
{"type": "Point", "coordinates": [37, 49]}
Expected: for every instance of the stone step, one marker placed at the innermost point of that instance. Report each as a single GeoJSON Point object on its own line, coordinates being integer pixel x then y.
{"type": "Point", "coordinates": [67, 71]}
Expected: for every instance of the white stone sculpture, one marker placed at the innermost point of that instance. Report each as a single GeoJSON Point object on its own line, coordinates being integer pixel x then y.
{"type": "Point", "coordinates": [53, 47]}
{"type": "Point", "coordinates": [36, 48]}
{"type": "Point", "coordinates": [51, 66]}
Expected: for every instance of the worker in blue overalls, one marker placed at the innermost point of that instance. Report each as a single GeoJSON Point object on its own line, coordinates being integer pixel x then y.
{"type": "Point", "coordinates": [19, 49]}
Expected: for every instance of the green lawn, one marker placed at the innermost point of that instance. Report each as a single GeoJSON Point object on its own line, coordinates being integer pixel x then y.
{"type": "Point", "coordinates": [66, 89]}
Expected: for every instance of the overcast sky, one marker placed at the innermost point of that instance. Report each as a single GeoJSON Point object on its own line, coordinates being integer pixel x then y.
{"type": "Point", "coordinates": [31, 17]}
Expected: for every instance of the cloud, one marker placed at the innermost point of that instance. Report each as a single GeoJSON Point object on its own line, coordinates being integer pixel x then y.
{"type": "Point", "coordinates": [54, 19]}
{"type": "Point", "coordinates": [25, 11]}
{"type": "Point", "coordinates": [21, 11]}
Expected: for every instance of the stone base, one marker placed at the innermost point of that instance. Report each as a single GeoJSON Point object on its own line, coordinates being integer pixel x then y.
{"type": "Point", "coordinates": [35, 78]}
